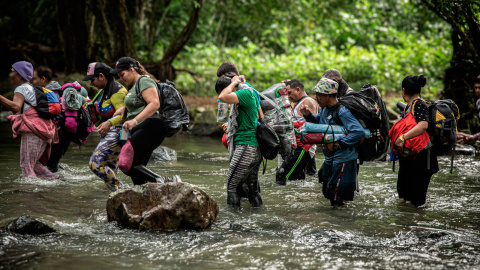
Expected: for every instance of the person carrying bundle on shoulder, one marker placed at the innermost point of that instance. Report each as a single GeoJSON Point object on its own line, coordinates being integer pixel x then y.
{"type": "Point", "coordinates": [338, 173]}
{"type": "Point", "coordinates": [295, 165]}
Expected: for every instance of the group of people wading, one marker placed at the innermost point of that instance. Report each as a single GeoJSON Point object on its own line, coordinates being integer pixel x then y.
{"type": "Point", "coordinates": [133, 109]}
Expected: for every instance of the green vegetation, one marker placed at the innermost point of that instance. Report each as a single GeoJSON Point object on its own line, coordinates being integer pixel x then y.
{"type": "Point", "coordinates": [369, 42]}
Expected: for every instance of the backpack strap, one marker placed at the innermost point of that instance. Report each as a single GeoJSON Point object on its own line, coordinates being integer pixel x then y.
{"type": "Point", "coordinates": [335, 117]}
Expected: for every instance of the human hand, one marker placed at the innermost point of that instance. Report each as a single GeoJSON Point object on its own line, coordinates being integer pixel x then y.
{"type": "Point", "coordinates": [470, 139]}
{"type": "Point", "coordinates": [104, 128]}
{"type": "Point", "coordinates": [285, 81]}
{"type": "Point", "coordinates": [129, 124]}
{"type": "Point", "coordinates": [304, 110]}
{"type": "Point", "coordinates": [225, 127]}
{"type": "Point", "coordinates": [121, 111]}
{"type": "Point", "coordinates": [399, 144]}
{"type": "Point", "coordinates": [236, 80]}
{"type": "Point", "coordinates": [331, 147]}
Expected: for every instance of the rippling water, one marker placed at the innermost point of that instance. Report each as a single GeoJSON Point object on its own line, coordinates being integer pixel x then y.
{"type": "Point", "coordinates": [295, 229]}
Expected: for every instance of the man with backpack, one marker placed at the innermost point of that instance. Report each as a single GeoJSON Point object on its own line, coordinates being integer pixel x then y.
{"type": "Point", "coordinates": [338, 173]}
{"type": "Point", "coordinates": [295, 165]}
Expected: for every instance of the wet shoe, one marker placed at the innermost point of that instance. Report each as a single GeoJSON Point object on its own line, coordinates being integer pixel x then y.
{"type": "Point", "coordinates": [169, 179]}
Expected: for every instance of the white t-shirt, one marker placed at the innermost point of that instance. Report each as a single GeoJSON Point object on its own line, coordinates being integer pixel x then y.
{"type": "Point", "coordinates": [28, 94]}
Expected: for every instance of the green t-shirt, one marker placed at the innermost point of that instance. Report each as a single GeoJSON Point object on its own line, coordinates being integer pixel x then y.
{"type": "Point", "coordinates": [247, 118]}
{"type": "Point", "coordinates": [132, 102]}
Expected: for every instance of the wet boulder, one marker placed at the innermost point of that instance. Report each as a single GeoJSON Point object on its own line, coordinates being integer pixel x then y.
{"type": "Point", "coordinates": [27, 225]}
{"type": "Point", "coordinates": [162, 207]}
{"type": "Point", "coordinates": [465, 149]}
{"type": "Point", "coordinates": [206, 124]}
{"type": "Point", "coordinates": [164, 154]}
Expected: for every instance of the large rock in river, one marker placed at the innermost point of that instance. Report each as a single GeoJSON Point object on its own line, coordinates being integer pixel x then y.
{"type": "Point", "coordinates": [206, 124]}
{"type": "Point", "coordinates": [156, 206]}
{"type": "Point", "coordinates": [28, 225]}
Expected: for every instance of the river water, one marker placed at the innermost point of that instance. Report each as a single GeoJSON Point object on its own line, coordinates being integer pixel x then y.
{"type": "Point", "coordinates": [295, 229]}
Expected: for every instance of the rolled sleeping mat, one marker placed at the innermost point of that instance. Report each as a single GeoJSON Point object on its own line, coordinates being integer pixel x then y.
{"type": "Point", "coordinates": [330, 129]}
{"type": "Point", "coordinates": [319, 138]}
{"type": "Point", "coordinates": [322, 128]}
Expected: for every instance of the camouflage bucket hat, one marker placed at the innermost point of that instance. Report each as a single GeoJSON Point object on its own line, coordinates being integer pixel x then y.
{"type": "Point", "coordinates": [326, 86]}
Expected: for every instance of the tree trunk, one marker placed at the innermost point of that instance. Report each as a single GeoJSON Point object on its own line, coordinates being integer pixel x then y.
{"type": "Point", "coordinates": [164, 69]}
{"type": "Point", "coordinates": [73, 34]}
{"type": "Point", "coordinates": [465, 63]}
{"type": "Point", "coordinates": [122, 31]}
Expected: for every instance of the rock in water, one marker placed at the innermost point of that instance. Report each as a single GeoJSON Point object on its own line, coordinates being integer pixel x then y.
{"type": "Point", "coordinates": [162, 207]}
{"type": "Point", "coordinates": [28, 225]}
{"type": "Point", "coordinates": [164, 154]}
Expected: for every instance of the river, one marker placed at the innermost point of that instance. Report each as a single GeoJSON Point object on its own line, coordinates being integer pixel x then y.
{"type": "Point", "coordinates": [295, 229]}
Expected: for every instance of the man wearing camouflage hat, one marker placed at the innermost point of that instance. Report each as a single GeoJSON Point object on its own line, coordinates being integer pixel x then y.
{"type": "Point", "coordinates": [338, 174]}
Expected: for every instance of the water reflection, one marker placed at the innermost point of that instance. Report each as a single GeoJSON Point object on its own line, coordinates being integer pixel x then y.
{"type": "Point", "coordinates": [296, 228]}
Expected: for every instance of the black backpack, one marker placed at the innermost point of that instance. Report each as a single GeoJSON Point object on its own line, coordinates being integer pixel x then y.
{"type": "Point", "coordinates": [268, 141]}
{"type": "Point", "coordinates": [368, 107]}
{"type": "Point", "coordinates": [173, 111]}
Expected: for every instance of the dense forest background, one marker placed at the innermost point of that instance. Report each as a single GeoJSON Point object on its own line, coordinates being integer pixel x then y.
{"type": "Point", "coordinates": [378, 42]}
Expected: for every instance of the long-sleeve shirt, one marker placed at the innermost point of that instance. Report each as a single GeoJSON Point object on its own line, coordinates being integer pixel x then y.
{"type": "Point", "coordinates": [347, 150]}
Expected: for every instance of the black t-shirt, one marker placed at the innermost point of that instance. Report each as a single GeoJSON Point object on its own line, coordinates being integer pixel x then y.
{"type": "Point", "coordinates": [419, 110]}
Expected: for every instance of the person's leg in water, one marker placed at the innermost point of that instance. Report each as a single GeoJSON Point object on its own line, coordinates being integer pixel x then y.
{"type": "Point", "coordinates": [311, 168]}
{"type": "Point", "coordinates": [145, 138]}
{"type": "Point", "coordinates": [252, 179]}
{"type": "Point", "coordinates": [31, 149]}
{"type": "Point", "coordinates": [104, 160]}
{"type": "Point", "coordinates": [245, 159]}
{"type": "Point", "coordinates": [293, 167]}
{"type": "Point", "coordinates": [58, 150]}
{"type": "Point", "coordinates": [342, 182]}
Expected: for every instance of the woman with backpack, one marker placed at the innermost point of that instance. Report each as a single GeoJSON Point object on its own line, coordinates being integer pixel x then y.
{"type": "Point", "coordinates": [37, 133]}
{"type": "Point", "coordinates": [109, 98]}
{"type": "Point", "coordinates": [143, 125]}
{"type": "Point", "coordinates": [416, 169]}
{"type": "Point", "coordinates": [245, 155]}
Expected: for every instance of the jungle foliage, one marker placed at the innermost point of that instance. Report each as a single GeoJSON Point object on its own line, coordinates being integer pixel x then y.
{"type": "Point", "coordinates": [378, 42]}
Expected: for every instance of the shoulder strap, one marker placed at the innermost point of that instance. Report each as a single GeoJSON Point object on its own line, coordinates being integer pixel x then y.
{"type": "Point", "coordinates": [299, 101]}
{"type": "Point", "coordinates": [335, 117]}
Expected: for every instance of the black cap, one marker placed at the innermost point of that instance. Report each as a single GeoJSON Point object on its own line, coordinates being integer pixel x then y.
{"type": "Point", "coordinates": [124, 63]}
{"type": "Point", "coordinates": [96, 68]}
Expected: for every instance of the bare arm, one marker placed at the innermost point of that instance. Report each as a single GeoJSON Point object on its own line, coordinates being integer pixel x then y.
{"type": "Point", "coordinates": [16, 105]}
{"type": "Point", "coordinates": [312, 106]}
{"type": "Point", "coordinates": [150, 96]}
{"type": "Point", "coordinates": [417, 130]}
{"type": "Point", "coordinates": [227, 94]}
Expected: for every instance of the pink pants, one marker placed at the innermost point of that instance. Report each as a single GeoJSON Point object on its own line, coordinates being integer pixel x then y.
{"type": "Point", "coordinates": [31, 149]}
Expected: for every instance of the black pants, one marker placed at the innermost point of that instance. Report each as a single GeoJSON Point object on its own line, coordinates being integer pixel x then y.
{"type": "Point", "coordinates": [145, 137]}
{"type": "Point", "coordinates": [59, 149]}
{"type": "Point", "coordinates": [414, 177]}
{"type": "Point", "coordinates": [293, 167]}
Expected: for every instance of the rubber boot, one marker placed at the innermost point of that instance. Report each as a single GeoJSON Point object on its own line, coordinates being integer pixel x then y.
{"type": "Point", "coordinates": [279, 177]}
{"type": "Point", "coordinates": [233, 199]}
{"type": "Point", "coordinates": [254, 197]}
{"type": "Point", "coordinates": [144, 175]}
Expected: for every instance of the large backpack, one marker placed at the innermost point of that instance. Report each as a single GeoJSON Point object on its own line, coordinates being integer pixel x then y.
{"type": "Point", "coordinates": [48, 105]}
{"type": "Point", "coordinates": [368, 107]}
{"type": "Point", "coordinates": [173, 111]}
{"type": "Point", "coordinates": [442, 127]}
{"type": "Point", "coordinates": [76, 120]}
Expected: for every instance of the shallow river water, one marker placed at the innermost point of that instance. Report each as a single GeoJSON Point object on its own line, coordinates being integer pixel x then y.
{"type": "Point", "coordinates": [295, 229]}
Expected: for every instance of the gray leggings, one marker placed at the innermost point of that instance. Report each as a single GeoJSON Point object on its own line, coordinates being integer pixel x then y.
{"type": "Point", "coordinates": [244, 167]}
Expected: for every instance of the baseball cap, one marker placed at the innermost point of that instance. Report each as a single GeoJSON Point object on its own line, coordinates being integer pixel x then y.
{"type": "Point", "coordinates": [24, 69]}
{"type": "Point", "coordinates": [124, 63]}
{"type": "Point", "coordinates": [96, 68]}
{"type": "Point", "coordinates": [326, 86]}
{"type": "Point", "coordinates": [477, 79]}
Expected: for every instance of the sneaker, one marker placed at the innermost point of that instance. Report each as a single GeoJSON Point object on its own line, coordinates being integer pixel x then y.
{"type": "Point", "coordinates": [174, 178]}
